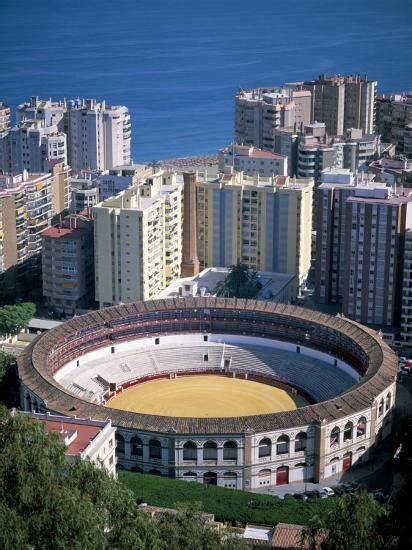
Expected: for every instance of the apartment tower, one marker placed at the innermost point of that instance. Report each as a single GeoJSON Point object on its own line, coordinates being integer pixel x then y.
{"type": "Point", "coordinates": [264, 222]}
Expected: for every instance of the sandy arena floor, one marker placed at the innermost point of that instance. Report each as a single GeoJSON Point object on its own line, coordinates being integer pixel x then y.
{"type": "Point", "coordinates": [205, 396]}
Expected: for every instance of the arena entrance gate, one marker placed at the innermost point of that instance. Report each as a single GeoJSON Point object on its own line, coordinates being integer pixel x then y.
{"type": "Point", "coordinates": [210, 478]}
{"type": "Point", "coordinates": [347, 462]}
{"type": "Point", "coordinates": [282, 475]}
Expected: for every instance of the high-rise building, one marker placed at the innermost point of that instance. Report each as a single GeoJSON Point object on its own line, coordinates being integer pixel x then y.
{"type": "Point", "coordinates": [373, 260]}
{"type": "Point", "coordinates": [61, 188]}
{"type": "Point", "coordinates": [33, 147]}
{"type": "Point", "coordinates": [343, 102]}
{"type": "Point", "coordinates": [84, 191]}
{"type": "Point", "coordinates": [317, 151]}
{"type": "Point", "coordinates": [68, 264]}
{"type": "Point", "coordinates": [138, 240]}
{"type": "Point", "coordinates": [332, 230]}
{"type": "Point", "coordinates": [113, 181]}
{"type": "Point", "coordinates": [264, 222]}
{"type": "Point", "coordinates": [406, 308]}
{"type": "Point", "coordinates": [252, 161]}
{"type": "Point", "coordinates": [393, 116]}
{"type": "Point", "coordinates": [259, 112]}
{"type": "Point", "coordinates": [4, 117]}
{"type": "Point", "coordinates": [99, 135]}
{"type": "Point", "coordinates": [26, 209]}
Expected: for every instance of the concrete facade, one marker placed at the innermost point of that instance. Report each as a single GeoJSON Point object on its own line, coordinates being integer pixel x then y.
{"type": "Point", "coordinates": [138, 240]}
{"type": "Point", "coordinates": [260, 112]}
{"type": "Point", "coordinates": [332, 231]}
{"type": "Point", "coordinates": [343, 102]}
{"type": "Point", "coordinates": [252, 161]}
{"type": "Point", "coordinates": [68, 265]}
{"type": "Point", "coordinates": [264, 222]}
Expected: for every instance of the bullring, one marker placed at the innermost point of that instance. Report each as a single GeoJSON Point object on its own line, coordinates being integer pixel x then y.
{"type": "Point", "coordinates": [344, 370]}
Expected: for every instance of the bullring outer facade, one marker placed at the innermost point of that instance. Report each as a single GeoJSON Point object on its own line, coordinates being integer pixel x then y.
{"type": "Point", "coordinates": [345, 373]}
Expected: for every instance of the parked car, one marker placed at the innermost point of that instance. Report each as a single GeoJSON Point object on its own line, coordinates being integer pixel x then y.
{"type": "Point", "coordinates": [287, 495]}
{"type": "Point", "coordinates": [337, 489]}
{"type": "Point", "coordinates": [312, 494]}
{"type": "Point", "coordinates": [300, 496]}
{"type": "Point", "coordinates": [328, 491]}
{"type": "Point", "coordinates": [402, 359]}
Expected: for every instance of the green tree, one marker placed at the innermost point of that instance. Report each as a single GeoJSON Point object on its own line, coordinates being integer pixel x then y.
{"type": "Point", "coordinates": [356, 522]}
{"type": "Point", "coordinates": [240, 282]}
{"type": "Point", "coordinates": [48, 501]}
{"type": "Point", "coordinates": [5, 361]}
{"type": "Point", "coordinates": [14, 318]}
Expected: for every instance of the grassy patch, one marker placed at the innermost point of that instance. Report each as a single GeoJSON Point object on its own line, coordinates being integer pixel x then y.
{"type": "Point", "coordinates": [227, 504]}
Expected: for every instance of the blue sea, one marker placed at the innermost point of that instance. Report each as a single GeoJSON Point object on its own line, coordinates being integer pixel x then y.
{"type": "Point", "coordinates": [177, 64]}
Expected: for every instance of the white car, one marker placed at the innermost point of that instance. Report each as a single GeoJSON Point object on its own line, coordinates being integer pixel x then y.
{"type": "Point", "coordinates": [328, 491]}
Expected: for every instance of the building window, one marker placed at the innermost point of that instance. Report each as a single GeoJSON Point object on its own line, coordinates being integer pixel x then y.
{"type": "Point", "coordinates": [155, 449]}
{"type": "Point", "coordinates": [300, 442]}
{"type": "Point", "coordinates": [230, 450]}
{"type": "Point", "coordinates": [348, 432]}
{"type": "Point", "coordinates": [265, 447]}
{"type": "Point", "coordinates": [282, 445]}
{"type": "Point", "coordinates": [190, 451]}
{"type": "Point", "coordinates": [210, 451]}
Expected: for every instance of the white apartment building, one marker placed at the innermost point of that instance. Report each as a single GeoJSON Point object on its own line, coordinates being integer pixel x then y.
{"type": "Point", "coordinates": [84, 191]}
{"type": "Point", "coordinates": [138, 240]}
{"type": "Point", "coordinates": [259, 112]}
{"type": "Point", "coordinates": [87, 439]}
{"type": "Point", "coordinates": [114, 181]}
{"type": "Point", "coordinates": [252, 161]}
{"type": "Point", "coordinates": [264, 222]}
{"type": "Point", "coordinates": [33, 147]}
{"type": "Point", "coordinates": [98, 135]}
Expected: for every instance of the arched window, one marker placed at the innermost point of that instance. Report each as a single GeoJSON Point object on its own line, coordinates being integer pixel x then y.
{"type": "Point", "coordinates": [137, 446]}
{"type": "Point", "coordinates": [348, 432]}
{"type": "Point", "coordinates": [155, 449]}
{"type": "Point", "coordinates": [119, 443]}
{"type": "Point", "coordinates": [282, 445]}
{"type": "Point", "coordinates": [380, 410]}
{"type": "Point", "coordinates": [210, 451]}
{"type": "Point", "coordinates": [361, 427]}
{"type": "Point", "coordinates": [190, 451]}
{"type": "Point", "coordinates": [334, 460]}
{"type": "Point", "coordinates": [334, 437]}
{"type": "Point", "coordinates": [388, 402]}
{"type": "Point", "coordinates": [190, 476]}
{"type": "Point", "coordinates": [265, 447]}
{"type": "Point", "coordinates": [301, 465]}
{"type": "Point", "coordinates": [300, 442]}
{"type": "Point", "coordinates": [230, 450]}
{"type": "Point", "coordinates": [264, 473]}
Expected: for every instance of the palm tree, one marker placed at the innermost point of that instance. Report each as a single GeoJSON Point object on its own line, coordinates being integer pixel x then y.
{"type": "Point", "coordinates": [240, 282]}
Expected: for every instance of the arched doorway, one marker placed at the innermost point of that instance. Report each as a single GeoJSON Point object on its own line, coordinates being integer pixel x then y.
{"type": "Point", "coordinates": [282, 475]}
{"type": "Point", "coordinates": [210, 478]}
{"type": "Point", "coordinates": [346, 462]}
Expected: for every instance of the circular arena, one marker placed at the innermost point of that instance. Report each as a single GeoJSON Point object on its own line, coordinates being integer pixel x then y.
{"type": "Point", "coordinates": [238, 393]}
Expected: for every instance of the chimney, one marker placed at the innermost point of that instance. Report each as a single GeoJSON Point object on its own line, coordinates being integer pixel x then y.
{"type": "Point", "coordinates": [190, 261]}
